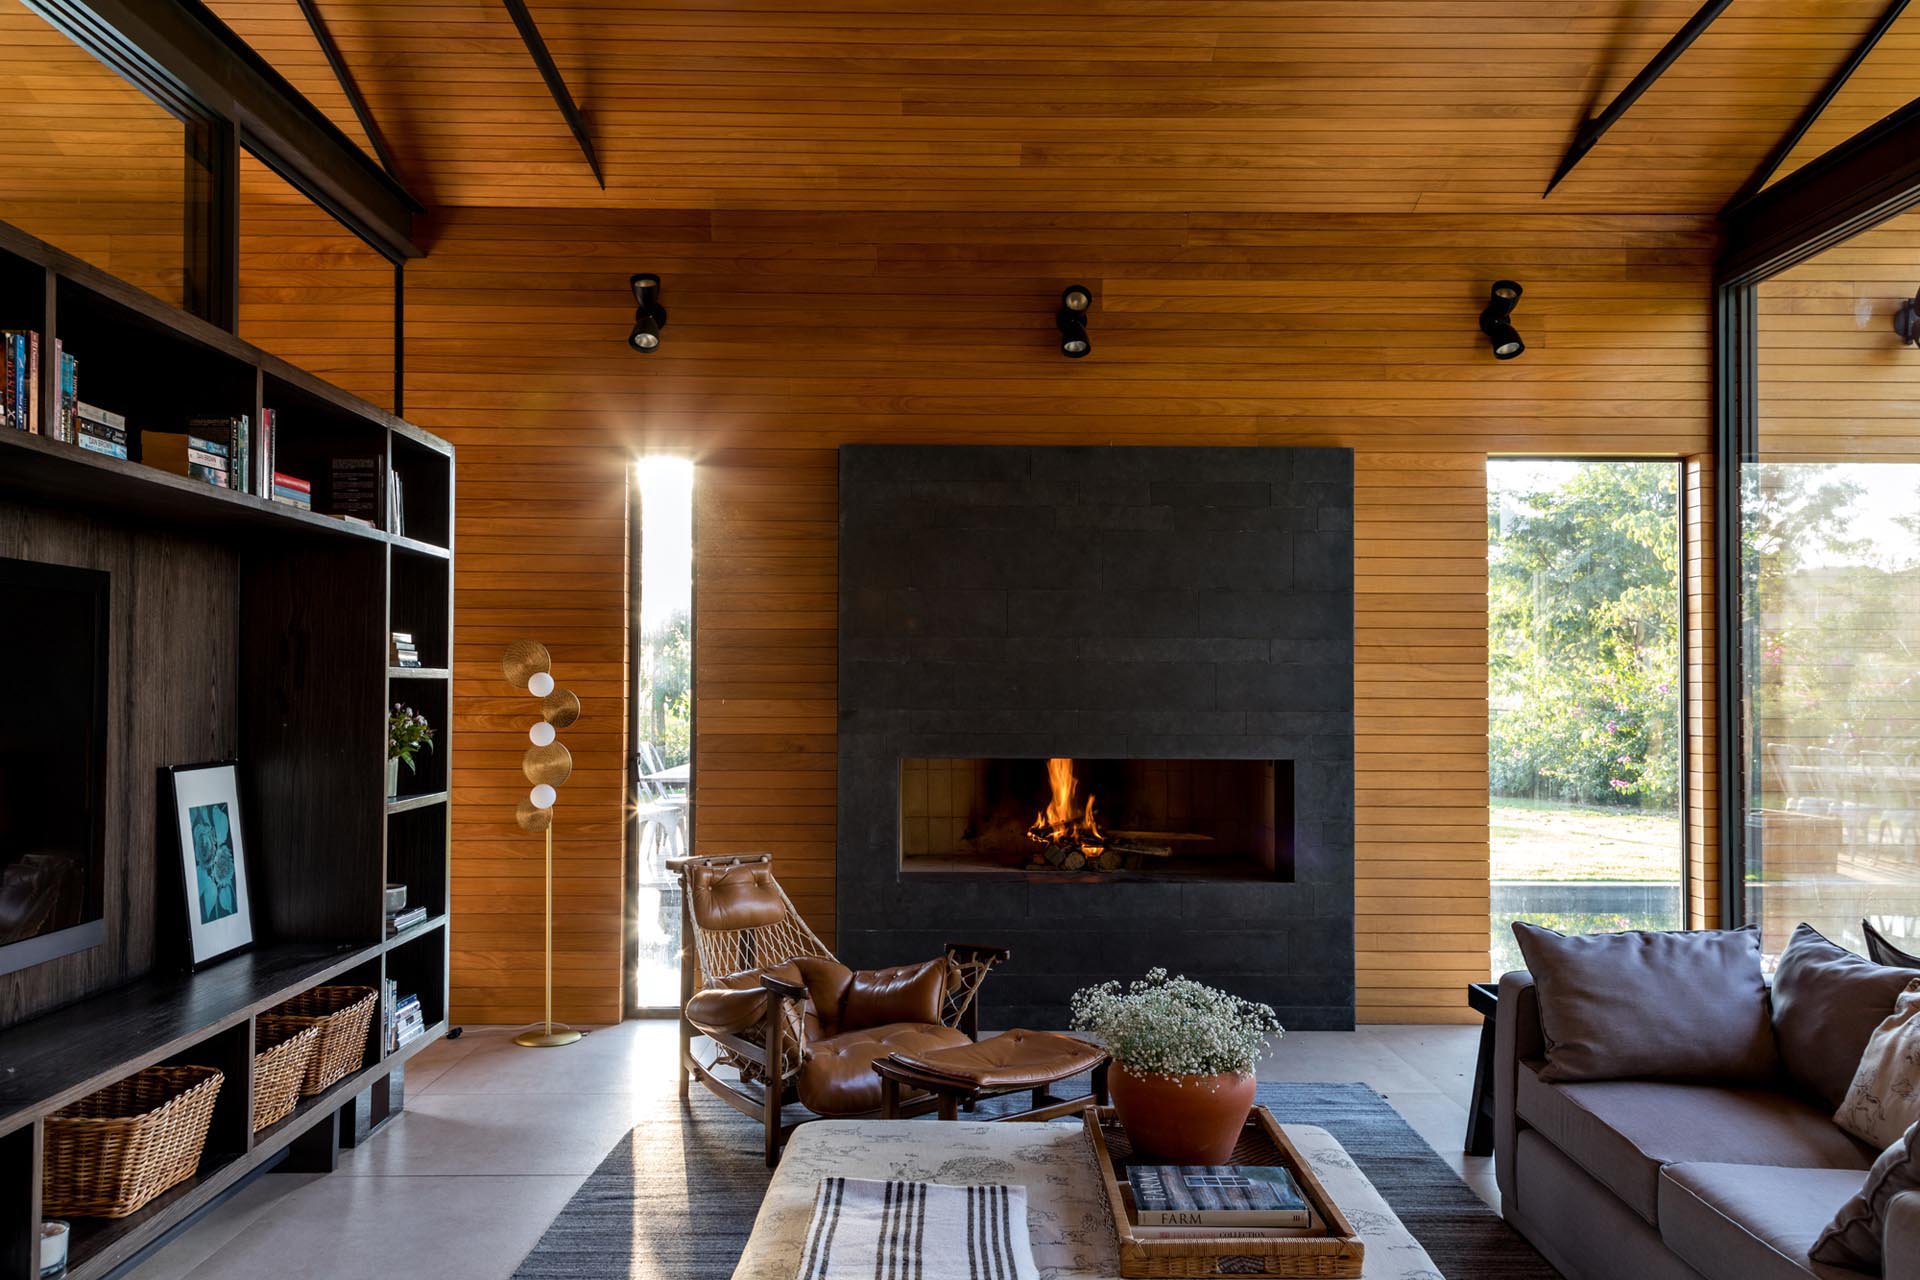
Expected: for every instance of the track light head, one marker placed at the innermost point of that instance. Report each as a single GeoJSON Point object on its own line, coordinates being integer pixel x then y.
{"type": "Point", "coordinates": [1071, 320]}
{"type": "Point", "coordinates": [1495, 320]}
{"type": "Point", "coordinates": [649, 317]}
{"type": "Point", "coordinates": [1906, 321]}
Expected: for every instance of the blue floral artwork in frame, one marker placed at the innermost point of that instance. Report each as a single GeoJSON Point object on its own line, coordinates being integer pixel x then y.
{"type": "Point", "coordinates": [213, 860]}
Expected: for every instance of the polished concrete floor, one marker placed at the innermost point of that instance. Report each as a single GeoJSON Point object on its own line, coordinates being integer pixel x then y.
{"type": "Point", "coordinates": [495, 1139]}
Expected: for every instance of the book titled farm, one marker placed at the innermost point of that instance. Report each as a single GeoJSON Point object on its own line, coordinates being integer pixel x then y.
{"type": "Point", "coordinates": [1196, 1195]}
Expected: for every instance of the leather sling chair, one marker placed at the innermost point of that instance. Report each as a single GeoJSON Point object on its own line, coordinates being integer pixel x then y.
{"type": "Point", "coordinates": [791, 1021]}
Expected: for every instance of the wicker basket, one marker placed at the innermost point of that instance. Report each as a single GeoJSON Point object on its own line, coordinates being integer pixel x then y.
{"type": "Point", "coordinates": [280, 1068]}
{"type": "Point", "coordinates": [343, 1015]}
{"type": "Point", "coordinates": [113, 1151]}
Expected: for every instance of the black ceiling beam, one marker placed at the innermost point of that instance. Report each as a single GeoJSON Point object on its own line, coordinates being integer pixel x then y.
{"type": "Point", "coordinates": [1591, 130]}
{"type": "Point", "coordinates": [348, 85]}
{"type": "Point", "coordinates": [1863, 181]}
{"type": "Point", "coordinates": [1784, 148]}
{"type": "Point", "coordinates": [556, 84]}
{"type": "Point", "coordinates": [183, 56]}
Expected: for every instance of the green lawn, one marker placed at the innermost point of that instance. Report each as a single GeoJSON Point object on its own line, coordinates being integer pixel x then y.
{"type": "Point", "coordinates": [1542, 840]}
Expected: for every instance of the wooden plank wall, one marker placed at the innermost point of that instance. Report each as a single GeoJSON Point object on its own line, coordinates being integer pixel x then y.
{"type": "Point", "coordinates": [792, 333]}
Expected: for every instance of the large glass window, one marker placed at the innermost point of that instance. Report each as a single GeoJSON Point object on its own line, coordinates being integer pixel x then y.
{"type": "Point", "coordinates": [311, 291]}
{"type": "Point", "coordinates": [89, 163]}
{"type": "Point", "coordinates": [1584, 688]}
{"type": "Point", "coordinates": [1830, 559]}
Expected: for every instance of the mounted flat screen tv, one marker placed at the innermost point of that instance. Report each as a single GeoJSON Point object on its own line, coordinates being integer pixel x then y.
{"type": "Point", "coordinates": [53, 750]}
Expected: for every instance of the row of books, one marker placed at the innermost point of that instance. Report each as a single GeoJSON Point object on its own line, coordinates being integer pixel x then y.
{"type": "Point", "coordinates": [20, 386]}
{"type": "Point", "coordinates": [403, 1022]}
{"type": "Point", "coordinates": [404, 653]}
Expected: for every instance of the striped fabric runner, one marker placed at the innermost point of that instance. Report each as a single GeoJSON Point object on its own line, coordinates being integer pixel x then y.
{"type": "Point", "coordinates": [868, 1230]}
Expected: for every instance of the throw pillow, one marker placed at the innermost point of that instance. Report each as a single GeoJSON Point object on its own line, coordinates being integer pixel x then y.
{"type": "Point", "coordinates": [1880, 949]}
{"type": "Point", "coordinates": [1826, 1003]}
{"type": "Point", "coordinates": [1680, 1005]}
{"type": "Point", "coordinates": [1884, 1099]}
{"type": "Point", "coordinates": [1853, 1238]}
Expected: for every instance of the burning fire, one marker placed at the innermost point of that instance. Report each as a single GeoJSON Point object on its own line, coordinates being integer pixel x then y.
{"type": "Point", "coordinates": [1065, 820]}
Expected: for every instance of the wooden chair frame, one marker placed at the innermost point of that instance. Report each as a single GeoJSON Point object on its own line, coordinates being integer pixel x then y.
{"type": "Point", "coordinates": [767, 1069]}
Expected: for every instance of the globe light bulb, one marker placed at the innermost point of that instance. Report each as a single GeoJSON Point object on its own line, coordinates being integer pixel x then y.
{"type": "Point", "coordinates": [543, 796]}
{"type": "Point", "coordinates": [541, 734]}
{"type": "Point", "coordinates": [540, 684]}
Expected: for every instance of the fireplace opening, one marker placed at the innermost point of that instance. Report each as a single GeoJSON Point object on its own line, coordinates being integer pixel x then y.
{"type": "Point", "coordinates": [1094, 820]}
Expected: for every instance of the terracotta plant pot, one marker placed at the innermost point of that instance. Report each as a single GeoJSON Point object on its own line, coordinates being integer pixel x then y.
{"type": "Point", "coordinates": [1182, 1119]}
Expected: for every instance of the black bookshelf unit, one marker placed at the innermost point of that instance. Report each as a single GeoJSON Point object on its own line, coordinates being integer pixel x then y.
{"type": "Point", "coordinates": [242, 629]}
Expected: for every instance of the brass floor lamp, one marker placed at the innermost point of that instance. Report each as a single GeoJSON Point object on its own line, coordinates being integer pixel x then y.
{"type": "Point", "coordinates": [527, 665]}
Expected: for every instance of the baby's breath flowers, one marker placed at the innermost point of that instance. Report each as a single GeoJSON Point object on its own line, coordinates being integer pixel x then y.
{"type": "Point", "coordinates": [1175, 1026]}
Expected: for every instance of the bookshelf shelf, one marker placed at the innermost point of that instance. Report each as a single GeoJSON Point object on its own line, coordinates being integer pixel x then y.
{"type": "Point", "coordinates": [407, 804]}
{"type": "Point", "coordinates": [280, 663]}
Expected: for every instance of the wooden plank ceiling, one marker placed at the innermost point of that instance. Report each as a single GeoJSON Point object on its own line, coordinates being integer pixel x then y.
{"type": "Point", "coordinates": [1137, 105]}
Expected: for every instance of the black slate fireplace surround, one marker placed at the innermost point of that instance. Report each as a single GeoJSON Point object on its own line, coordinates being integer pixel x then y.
{"type": "Point", "coordinates": [1144, 610]}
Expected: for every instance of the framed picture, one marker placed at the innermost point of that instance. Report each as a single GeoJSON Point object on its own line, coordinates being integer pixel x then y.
{"type": "Point", "coordinates": [213, 859]}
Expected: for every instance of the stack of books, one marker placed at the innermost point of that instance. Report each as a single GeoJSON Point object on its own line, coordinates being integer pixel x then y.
{"type": "Point", "coordinates": [404, 652]}
{"type": "Point", "coordinates": [401, 921]}
{"type": "Point", "coordinates": [99, 431]}
{"type": "Point", "coordinates": [186, 453]}
{"type": "Point", "coordinates": [355, 490]}
{"type": "Point", "coordinates": [235, 433]}
{"type": "Point", "coordinates": [293, 491]}
{"type": "Point", "coordinates": [1175, 1200]}
{"type": "Point", "coordinates": [20, 395]}
{"type": "Point", "coordinates": [409, 1023]}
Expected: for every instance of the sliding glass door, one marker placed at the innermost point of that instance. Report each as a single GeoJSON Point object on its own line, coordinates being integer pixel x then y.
{"type": "Point", "coordinates": [1830, 585]}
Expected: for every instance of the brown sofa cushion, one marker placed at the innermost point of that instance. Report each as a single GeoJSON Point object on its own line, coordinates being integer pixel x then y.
{"type": "Point", "coordinates": [736, 1001]}
{"type": "Point", "coordinates": [1754, 1223]}
{"type": "Point", "coordinates": [1679, 1005]}
{"type": "Point", "coordinates": [1622, 1132]}
{"type": "Point", "coordinates": [1853, 1238]}
{"type": "Point", "coordinates": [1826, 1003]}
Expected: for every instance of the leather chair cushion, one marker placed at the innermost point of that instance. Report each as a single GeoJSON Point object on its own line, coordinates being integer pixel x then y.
{"type": "Point", "coordinates": [837, 1077]}
{"type": "Point", "coordinates": [844, 999]}
{"type": "Point", "coordinates": [725, 899]}
{"type": "Point", "coordinates": [736, 1002]}
{"type": "Point", "coordinates": [1017, 1059]}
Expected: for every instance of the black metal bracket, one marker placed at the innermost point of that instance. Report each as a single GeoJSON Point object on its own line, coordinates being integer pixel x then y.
{"type": "Point", "coordinates": [342, 73]}
{"type": "Point", "coordinates": [1592, 129]}
{"type": "Point", "coordinates": [556, 84]}
{"type": "Point", "coordinates": [1841, 75]}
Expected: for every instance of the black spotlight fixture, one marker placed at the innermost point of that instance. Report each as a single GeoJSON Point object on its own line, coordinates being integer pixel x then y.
{"type": "Point", "coordinates": [1497, 320]}
{"type": "Point", "coordinates": [649, 317]}
{"type": "Point", "coordinates": [1072, 321]}
{"type": "Point", "coordinates": [1906, 321]}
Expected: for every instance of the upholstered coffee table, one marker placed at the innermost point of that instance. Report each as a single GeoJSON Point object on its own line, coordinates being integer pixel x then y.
{"type": "Point", "coordinates": [1067, 1217]}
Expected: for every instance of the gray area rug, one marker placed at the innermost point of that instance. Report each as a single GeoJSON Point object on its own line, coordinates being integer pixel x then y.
{"type": "Point", "coordinates": [676, 1199]}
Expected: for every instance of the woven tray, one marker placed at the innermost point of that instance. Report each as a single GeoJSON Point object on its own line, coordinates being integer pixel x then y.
{"type": "Point", "coordinates": [343, 1015]}
{"type": "Point", "coordinates": [113, 1151]}
{"type": "Point", "coordinates": [283, 1053]}
{"type": "Point", "coordinates": [1338, 1253]}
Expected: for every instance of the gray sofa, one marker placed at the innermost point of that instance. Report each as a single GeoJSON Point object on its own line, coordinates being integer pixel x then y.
{"type": "Point", "coordinates": [1665, 1180]}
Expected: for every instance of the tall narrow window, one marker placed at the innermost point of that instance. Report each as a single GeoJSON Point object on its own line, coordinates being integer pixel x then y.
{"type": "Point", "coordinates": [1584, 687]}
{"type": "Point", "coordinates": [663, 722]}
